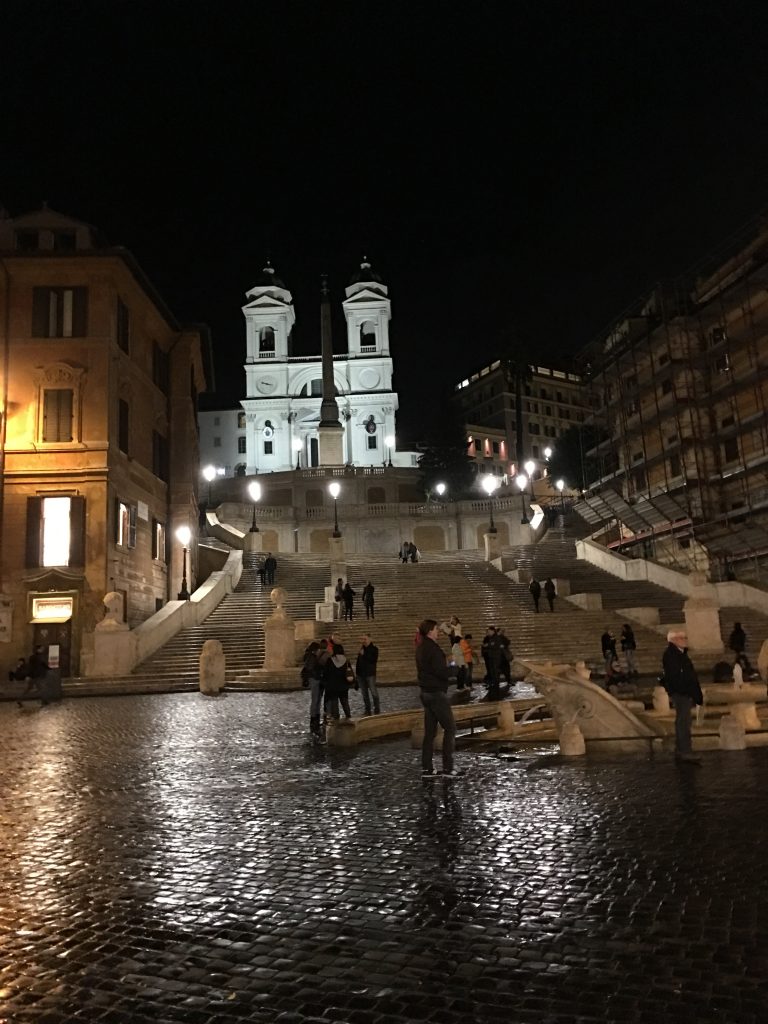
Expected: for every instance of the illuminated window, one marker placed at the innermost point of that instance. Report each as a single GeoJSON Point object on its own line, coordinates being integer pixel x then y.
{"type": "Point", "coordinates": [59, 312]}
{"type": "Point", "coordinates": [55, 531]}
{"type": "Point", "coordinates": [158, 540]}
{"type": "Point", "coordinates": [57, 414]}
{"type": "Point", "coordinates": [125, 524]}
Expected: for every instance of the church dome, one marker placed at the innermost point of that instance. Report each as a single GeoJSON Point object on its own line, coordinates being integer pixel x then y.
{"type": "Point", "coordinates": [269, 279]}
{"type": "Point", "coordinates": [366, 274]}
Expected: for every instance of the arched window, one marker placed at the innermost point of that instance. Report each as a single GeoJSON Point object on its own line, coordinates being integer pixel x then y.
{"type": "Point", "coordinates": [266, 341]}
{"type": "Point", "coordinates": [367, 337]}
{"type": "Point", "coordinates": [312, 390]}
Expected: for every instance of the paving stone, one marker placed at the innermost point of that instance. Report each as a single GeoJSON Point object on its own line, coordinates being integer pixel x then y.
{"type": "Point", "coordinates": [171, 860]}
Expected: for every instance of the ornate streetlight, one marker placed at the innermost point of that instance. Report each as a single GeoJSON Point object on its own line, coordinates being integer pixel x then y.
{"type": "Point", "coordinates": [254, 489]}
{"type": "Point", "coordinates": [184, 535]}
{"type": "Point", "coordinates": [389, 441]}
{"type": "Point", "coordinates": [530, 469]}
{"type": "Point", "coordinates": [209, 473]}
{"type": "Point", "coordinates": [335, 490]}
{"type": "Point", "coordinates": [297, 446]}
{"type": "Point", "coordinates": [490, 483]}
{"type": "Point", "coordinates": [560, 484]}
{"type": "Point", "coordinates": [522, 482]}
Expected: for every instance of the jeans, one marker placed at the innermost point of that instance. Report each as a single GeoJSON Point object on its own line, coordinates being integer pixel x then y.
{"type": "Point", "coordinates": [631, 662]}
{"type": "Point", "coordinates": [369, 611]}
{"type": "Point", "coordinates": [316, 697]}
{"type": "Point", "coordinates": [332, 706]}
{"type": "Point", "coordinates": [370, 692]}
{"type": "Point", "coordinates": [437, 711]}
{"type": "Point", "coordinates": [683, 707]}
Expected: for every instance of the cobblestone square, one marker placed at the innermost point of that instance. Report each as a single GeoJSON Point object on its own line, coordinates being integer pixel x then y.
{"type": "Point", "coordinates": [175, 859]}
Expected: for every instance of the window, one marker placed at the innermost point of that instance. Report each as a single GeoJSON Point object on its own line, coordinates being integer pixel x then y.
{"type": "Point", "coordinates": [55, 531]}
{"type": "Point", "coordinates": [26, 241]}
{"type": "Point", "coordinates": [268, 447]}
{"type": "Point", "coordinates": [533, 428]}
{"type": "Point", "coordinates": [722, 364]}
{"type": "Point", "coordinates": [217, 421]}
{"type": "Point", "coordinates": [632, 407]}
{"type": "Point", "coordinates": [637, 456]}
{"type": "Point", "coordinates": [160, 456]}
{"type": "Point", "coordinates": [547, 410]}
{"type": "Point", "coordinates": [639, 480]}
{"type": "Point", "coordinates": [241, 421]}
{"type": "Point", "coordinates": [663, 359]}
{"type": "Point", "coordinates": [543, 393]}
{"type": "Point", "coordinates": [674, 465]}
{"type": "Point", "coordinates": [59, 312]}
{"type": "Point", "coordinates": [241, 445]}
{"type": "Point", "coordinates": [160, 368]}
{"type": "Point", "coordinates": [266, 342]}
{"type": "Point", "coordinates": [158, 540]}
{"type": "Point", "coordinates": [125, 524]}
{"type": "Point", "coordinates": [123, 325]}
{"type": "Point", "coordinates": [535, 451]}
{"type": "Point", "coordinates": [64, 241]}
{"type": "Point", "coordinates": [717, 336]}
{"type": "Point", "coordinates": [123, 425]}
{"type": "Point", "coordinates": [57, 414]}
{"type": "Point", "coordinates": [731, 450]}
{"type": "Point", "coordinates": [666, 386]}
{"type": "Point", "coordinates": [217, 442]}
{"type": "Point", "coordinates": [630, 383]}
{"type": "Point", "coordinates": [559, 396]}
{"type": "Point", "coordinates": [373, 442]}
{"type": "Point", "coordinates": [314, 389]}
{"type": "Point", "coordinates": [367, 337]}
{"type": "Point", "coordinates": [495, 447]}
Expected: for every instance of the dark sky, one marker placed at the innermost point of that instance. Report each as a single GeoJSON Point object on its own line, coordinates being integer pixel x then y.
{"type": "Point", "coordinates": [514, 171]}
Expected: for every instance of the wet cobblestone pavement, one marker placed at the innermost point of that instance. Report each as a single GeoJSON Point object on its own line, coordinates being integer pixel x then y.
{"type": "Point", "coordinates": [176, 859]}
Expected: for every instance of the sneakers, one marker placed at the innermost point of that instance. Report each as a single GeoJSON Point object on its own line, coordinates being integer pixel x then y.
{"type": "Point", "coordinates": [430, 775]}
{"type": "Point", "coordinates": [451, 775]}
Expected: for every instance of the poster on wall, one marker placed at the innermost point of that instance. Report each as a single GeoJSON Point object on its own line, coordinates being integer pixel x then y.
{"type": "Point", "coordinates": [6, 619]}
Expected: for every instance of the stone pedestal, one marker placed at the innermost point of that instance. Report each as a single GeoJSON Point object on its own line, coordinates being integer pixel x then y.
{"type": "Point", "coordinates": [212, 668]}
{"type": "Point", "coordinates": [661, 700]}
{"type": "Point", "coordinates": [252, 542]}
{"type": "Point", "coordinates": [113, 644]}
{"type": "Point", "coordinates": [572, 741]}
{"type": "Point", "coordinates": [331, 444]}
{"type": "Point", "coordinates": [325, 611]}
{"type": "Point", "coordinates": [492, 548]}
{"type": "Point", "coordinates": [702, 617]}
{"type": "Point", "coordinates": [279, 635]}
{"type": "Point", "coordinates": [732, 734]}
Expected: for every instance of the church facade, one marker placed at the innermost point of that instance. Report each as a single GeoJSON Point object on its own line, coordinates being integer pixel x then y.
{"type": "Point", "coordinates": [284, 392]}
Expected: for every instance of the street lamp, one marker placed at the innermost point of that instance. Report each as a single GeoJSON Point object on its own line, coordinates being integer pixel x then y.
{"type": "Point", "coordinates": [298, 444]}
{"type": "Point", "coordinates": [530, 469]}
{"type": "Point", "coordinates": [183, 535]}
{"type": "Point", "coordinates": [389, 441]}
{"type": "Point", "coordinates": [254, 489]}
{"type": "Point", "coordinates": [209, 473]}
{"type": "Point", "coordinates": [522, 482]}
{"type": "Point", "coordinates": [560, 484]}
{"type": "Point", "coordinates": [440, 488]}
{"type": "Point", "coordinates": [335, 491]}
{"type": "Point", "coordinates": [547, 453]}
{"type": "Point", "coordinates": [490, 483]}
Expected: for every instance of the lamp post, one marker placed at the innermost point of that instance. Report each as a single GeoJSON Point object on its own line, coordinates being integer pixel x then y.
{"type": "Point", "coordinates": [522, 482]}
{"type": "Point", "coordinates": [530, 469]}
{"type": "Point", "coordinates": [335, 491]}
{"type": "Point", "coordinates": [209, 473]}
{"type": "Point", "coordinates": [490, 483]}
{"type": "Point", "coordinates": [389, 441]}
{"type": "Point", "coordinates": [547, 453]}
{"type": "Point", "coordinates": [297, 446]}
{"type": "Point", "coordinates": [440, 488]}
{"type": "Point", "coordinates": [254, 489]}
{"type": "Point", "coordinates": [560, 484]}
{"type": "Point", "coordinates": [183, 535]}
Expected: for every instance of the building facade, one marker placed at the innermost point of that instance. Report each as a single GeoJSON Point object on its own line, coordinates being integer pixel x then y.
{"type": "Point", "coordinates": [99, 437]}
{"type": "Point", "coordinates": [681, 382]}
{"type": "Point", "coordinates": [278, 430]}
{"type": "Point", "coordinates": [552, 401]}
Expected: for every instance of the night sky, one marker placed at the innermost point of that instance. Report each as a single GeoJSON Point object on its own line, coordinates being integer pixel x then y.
{"type": "Point", "coordinates": [517, 173]}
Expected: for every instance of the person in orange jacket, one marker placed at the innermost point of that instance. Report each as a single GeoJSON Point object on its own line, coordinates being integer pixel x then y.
{"type": "Point", "coordinates": [466, 646]}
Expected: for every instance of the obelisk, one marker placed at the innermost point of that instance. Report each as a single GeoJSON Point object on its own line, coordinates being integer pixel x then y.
{"type": "Point", "coordinates": [330, 432]}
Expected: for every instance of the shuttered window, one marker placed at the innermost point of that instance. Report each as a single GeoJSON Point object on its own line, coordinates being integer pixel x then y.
{"type": "Point", "coordinates": [57, 414]}
{"type": "Point", "coordinates": [125, 524]}
{"type": "Point", "coordinates": [59, 312]}
{"type": "Point", "coordinates": [160, 456]}
{"type": "Point", "coordinates": [55, 531]}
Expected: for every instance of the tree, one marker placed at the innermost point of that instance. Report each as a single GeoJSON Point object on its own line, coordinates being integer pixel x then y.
{"type": "Point", "coordinates": [569, 460]}
{"type": "Point", "coordinates": [444, 460]}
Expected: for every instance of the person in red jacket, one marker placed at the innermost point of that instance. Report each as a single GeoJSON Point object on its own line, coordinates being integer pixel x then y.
{"type": "Point", "coordinates": [433, 689]}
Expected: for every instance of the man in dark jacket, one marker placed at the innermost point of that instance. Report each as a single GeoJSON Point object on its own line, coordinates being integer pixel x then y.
{"type": "Point", "coordinates": [368, 590]}
{"type": "Point", "coordinates": [365, 670]}
{"type": "Point", "coordinates": [270, 565]}
{"type": "Point", "coordinates": [433, 689]}
{"type": "Point", "coordinates": [682, 684]}
{"type": "Point", "coordinates": [535, 588]}
{"type": "Point", "coordinates": [493, 654]}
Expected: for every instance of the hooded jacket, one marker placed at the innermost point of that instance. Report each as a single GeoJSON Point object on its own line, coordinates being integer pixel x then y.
{"type": "Point", "coordinates": [335, 676]}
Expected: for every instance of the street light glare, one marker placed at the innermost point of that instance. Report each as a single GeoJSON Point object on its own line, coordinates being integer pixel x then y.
{"type": "Point", "coordinates": [298, 444]}
{"type": "Point", "coordinates": [560, 484]}
{"type": "Point", "coordinates": [547, 453]}
{"type": "Point", "coordinates": [389, 441]}
{"type": "Point", "coordinates": [490, 483]}
{"type": "Point", "coordinates": [184, 535]}
{"type": "Point", "coordinates": [209, 473]}
{"type": "Point", "coordinates": [522, 481]}
{"type": "Point", "coordinates": [254, 489]}
{"type": "Point", "coordinates": [335, 489]}
{"type": "Point", "coordinates": [440, 488]}
{"type": "Point", "coordinates": [530, 465]}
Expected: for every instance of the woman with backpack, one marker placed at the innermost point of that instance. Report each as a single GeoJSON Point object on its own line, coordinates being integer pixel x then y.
{"type": "Point", "coordinates": [337, 679]}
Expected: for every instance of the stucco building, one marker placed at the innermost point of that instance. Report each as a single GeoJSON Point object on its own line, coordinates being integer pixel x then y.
{"type": "Point", "coordinates": [99, 437]}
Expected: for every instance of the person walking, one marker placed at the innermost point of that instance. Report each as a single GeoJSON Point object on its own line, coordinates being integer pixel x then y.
{"type": "Point", "coordinates": [365, 670]}
{"type": "Point", "coordinates": [338, 596]}
{"type": "Point", "coordinates": [493, 653]}
{"type": "Point", "coordinates": [337, 679]}
{"type": "Point", "coordinates": [608, 643]}
{"type": "Point", "coordinates": [682, 684]}
{"type": "Point", "coordinates": [270, 565]}
{"type": "Point", "coordinates": [535, 588]}
{"type": "Point", "coordinates": [348, 596]}
{"type": "Point", "coordinates": [312, 678]}
{"type": "Point", "coordinates": [368, 590]}
{"type": "Point", "coordinates": [737, 641]}
{"type": "Point", "coordinates": [628, 648]}
{"type": "Point", "coordinates": [469, 658]}
{"type": "Point", "coordinates": [433, 678]}
{"type": "Point", "coordinates": [260, 569]}
{"type": "Point", "coordinates": [550, 592]}
{"type": "Point", "coordinates": [405, 550]}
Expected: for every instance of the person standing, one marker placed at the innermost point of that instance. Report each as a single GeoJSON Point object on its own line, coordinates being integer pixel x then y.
{"type": "Point", "coordinates": [312, 677]}
{"type": "Point", "coordinates": [261, 570]}
{"type": "Point", "coordinates": [505, 668]}
{"type": "Point", "coordinates": [413, 552]}
{"type": "Point", "coordinates": [365, 670]}
{"type": "Point", "coordinates": [550, 592]}
{"type": "Point", "coordinates": [608, 643]}
{"type": "Point", "coordinates": [457, 658]}
{"type": "Point", "coordinates": [338, 596]}
{"type": "Point", "coordinates": [466, 646]}
{"type": "Point", "coordinates": [682, 684]}
{"type": "Point", "coordinates": [535, 588]}
{"type": "Point", "coordinates": [348, 596]}
{"type": "Point", "coordinates": [337, 679]}
{"type": "Point", "coordinates": [493, 653]}
{"type": "Point", "coordinates": [628, 648]}
{"type": "Point", "coordinates": [405, 550]}
{"type": "Point", "coordinates": [737, 641]}
{"type": "Point", "coordinates": [432, 672]}
{"type": "Point", "coordinates": [270, 565]}
{"type": "Point", "coordinates": [368, 590]}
